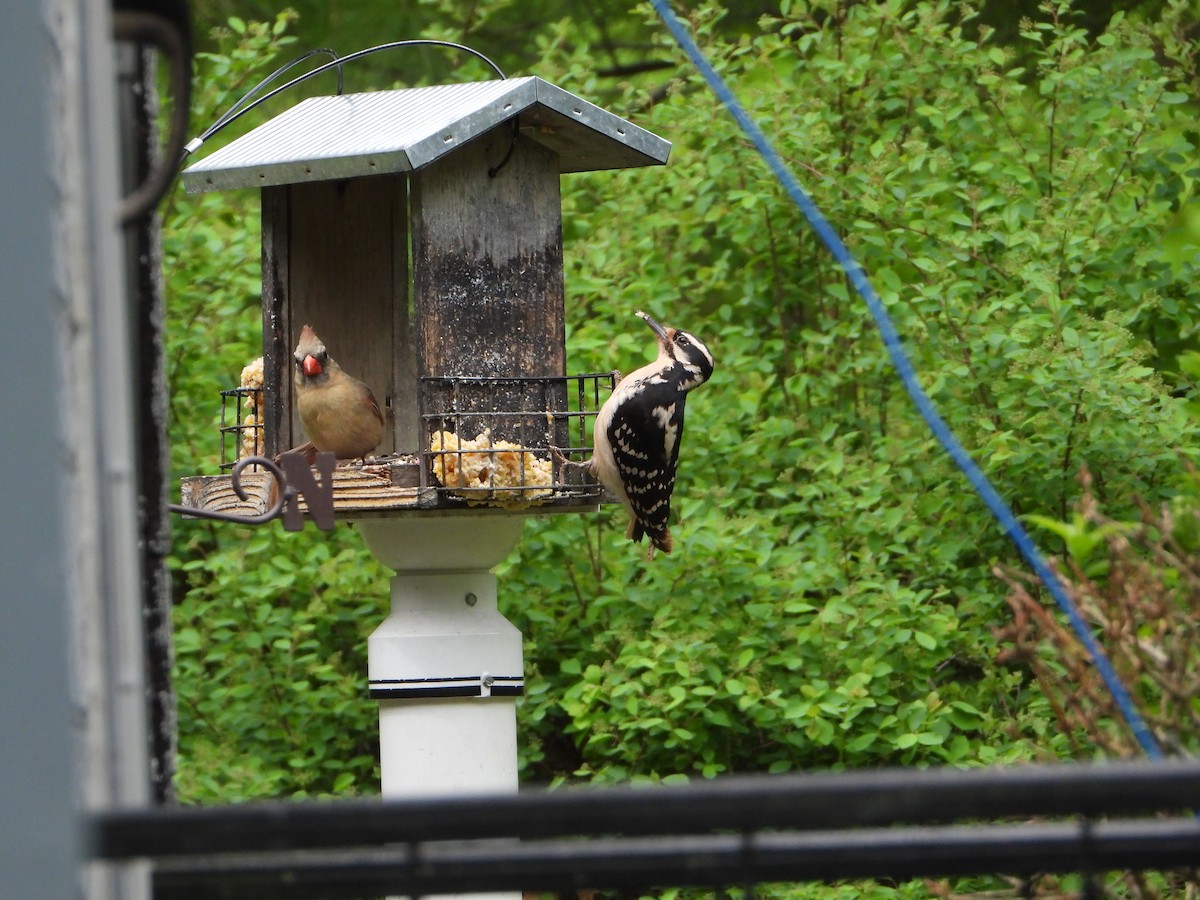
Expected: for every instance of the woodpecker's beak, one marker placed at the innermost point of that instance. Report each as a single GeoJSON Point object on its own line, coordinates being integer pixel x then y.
{"type": "Point", "coordinates": [664, 334]}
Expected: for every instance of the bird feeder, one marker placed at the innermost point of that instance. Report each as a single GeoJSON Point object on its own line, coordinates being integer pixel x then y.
{"type": "Point", "coordinates": [419, 232]}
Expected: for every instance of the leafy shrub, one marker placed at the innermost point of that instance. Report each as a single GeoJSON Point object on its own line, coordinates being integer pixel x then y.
{"type": "Point", "coordinates": [1135, 583]}
{"type": "Point", "coordinates": [831, 601]}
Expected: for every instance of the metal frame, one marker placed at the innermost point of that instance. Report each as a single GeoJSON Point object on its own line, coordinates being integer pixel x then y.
{"type": "Point", "coordinates": [248, 437]}
{"type": "Point", "coordinates": [451, 404]}
{"type": "Point", "coordinates": [732, 831]}
{"type": "Point", "coordinates": [373, 133]}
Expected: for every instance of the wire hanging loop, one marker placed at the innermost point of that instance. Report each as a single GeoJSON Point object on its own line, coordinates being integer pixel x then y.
{"type": "Point", "coordinates": [242, 107]}
{"type": "Point", "coordinates": [282, 493]}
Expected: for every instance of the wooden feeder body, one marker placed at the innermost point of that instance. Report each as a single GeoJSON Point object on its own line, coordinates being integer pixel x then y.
{"type": "Point", "coordinates": [419, 232]}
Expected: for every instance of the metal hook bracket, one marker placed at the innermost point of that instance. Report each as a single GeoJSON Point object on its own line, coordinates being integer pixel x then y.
{"type": "Point", "coordinates": [293, 478]}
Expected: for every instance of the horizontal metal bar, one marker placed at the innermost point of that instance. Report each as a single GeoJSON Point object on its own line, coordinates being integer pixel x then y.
{"type": "Point", "coordinates": [626, 864]}
{"type": "Point", "coordinates": [515, 379]}
{"type": "Point", "coordinates": [448, 414]}
{"type": "Point", "coordinates": [746, 803]}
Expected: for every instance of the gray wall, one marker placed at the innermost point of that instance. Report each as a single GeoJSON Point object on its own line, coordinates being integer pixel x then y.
{"type": "Point", "coordinates": [38, 847]}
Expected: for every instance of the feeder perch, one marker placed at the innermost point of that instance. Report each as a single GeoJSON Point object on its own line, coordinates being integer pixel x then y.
{"type": "Point", "coordinates": [419, 232]}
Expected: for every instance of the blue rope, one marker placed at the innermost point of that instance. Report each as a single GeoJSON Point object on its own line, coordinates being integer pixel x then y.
{"type": "Point", "coordinates": [891, 340]}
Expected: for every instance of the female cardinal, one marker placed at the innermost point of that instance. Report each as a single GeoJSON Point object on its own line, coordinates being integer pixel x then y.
{"type": "Point", "coordinates": [338, 412]}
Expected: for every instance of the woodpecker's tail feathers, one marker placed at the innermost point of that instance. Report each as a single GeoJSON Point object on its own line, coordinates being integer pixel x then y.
{"type": "Point", "coordinates": [660, 540]}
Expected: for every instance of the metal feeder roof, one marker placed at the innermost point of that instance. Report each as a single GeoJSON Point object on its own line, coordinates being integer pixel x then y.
{"type": "Point", "coordinates": [350, 135]}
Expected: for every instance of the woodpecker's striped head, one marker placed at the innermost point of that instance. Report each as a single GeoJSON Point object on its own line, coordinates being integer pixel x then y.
{"type": "Point", "coordinates": [683, 356]}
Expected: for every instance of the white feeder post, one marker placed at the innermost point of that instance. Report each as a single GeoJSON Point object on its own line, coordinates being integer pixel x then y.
{"type": "Point", "coordinates": [445, 666]}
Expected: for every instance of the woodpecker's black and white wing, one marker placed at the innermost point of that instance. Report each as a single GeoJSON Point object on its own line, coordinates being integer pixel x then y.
{"type": "Point", "coordinates": [645, 438]}
{"type": "Point", "coordinates": [638, 430]}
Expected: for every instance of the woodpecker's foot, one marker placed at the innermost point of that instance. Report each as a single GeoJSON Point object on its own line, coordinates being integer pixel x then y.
{"type": "Point", "coordinates": [568, 463]}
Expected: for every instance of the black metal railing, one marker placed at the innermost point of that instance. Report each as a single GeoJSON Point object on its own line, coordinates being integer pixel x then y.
{"type": "Point", "coordinates": [241, 425]}
{"type": "Point", "coordinates": [734, 831]}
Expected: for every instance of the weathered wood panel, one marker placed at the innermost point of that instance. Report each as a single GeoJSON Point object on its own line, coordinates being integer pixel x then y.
{"type": "Point", "coordinates": [336, 258]}
{"type": "Point", "coordinates": [355, 490]}
{"type": "Point", "coordinates": [276, 323]}
{"type": "Point", "coordinates": [487, 276]}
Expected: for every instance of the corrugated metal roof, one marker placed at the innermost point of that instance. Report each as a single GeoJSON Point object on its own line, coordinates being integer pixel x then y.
{"type": "Point", "coordinates": [346, 136]}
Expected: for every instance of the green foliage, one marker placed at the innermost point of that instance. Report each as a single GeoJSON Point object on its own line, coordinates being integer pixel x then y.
{"type": "Point", "coordinates": [830, 602]}
{"type": "Point", "coordinates": [270, 668]}
{"type": "Point", "coordinates": [1081, 539]}
{"type": "Point", "coordinates": [211, 261]}
{"type": "Point", "coordinates": [1137, 581]}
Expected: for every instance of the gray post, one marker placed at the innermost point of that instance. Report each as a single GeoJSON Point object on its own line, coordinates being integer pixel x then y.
{"type": "Point", "coordinates": [72, 678]}
{"type": "Point", "coordinates": [39, 849]}
{"type": "Point", "coordinates": [98, 448]}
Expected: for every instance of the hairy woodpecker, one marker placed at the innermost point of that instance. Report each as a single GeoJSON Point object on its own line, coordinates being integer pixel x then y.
{"type": "Point", "coordinates": [639, 428]}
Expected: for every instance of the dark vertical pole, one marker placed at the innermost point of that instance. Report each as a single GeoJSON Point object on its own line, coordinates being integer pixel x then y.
{"type": "Point", "coordinates": [143, 262]}
{"type": "Point", "coordinates": [276, 321]}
